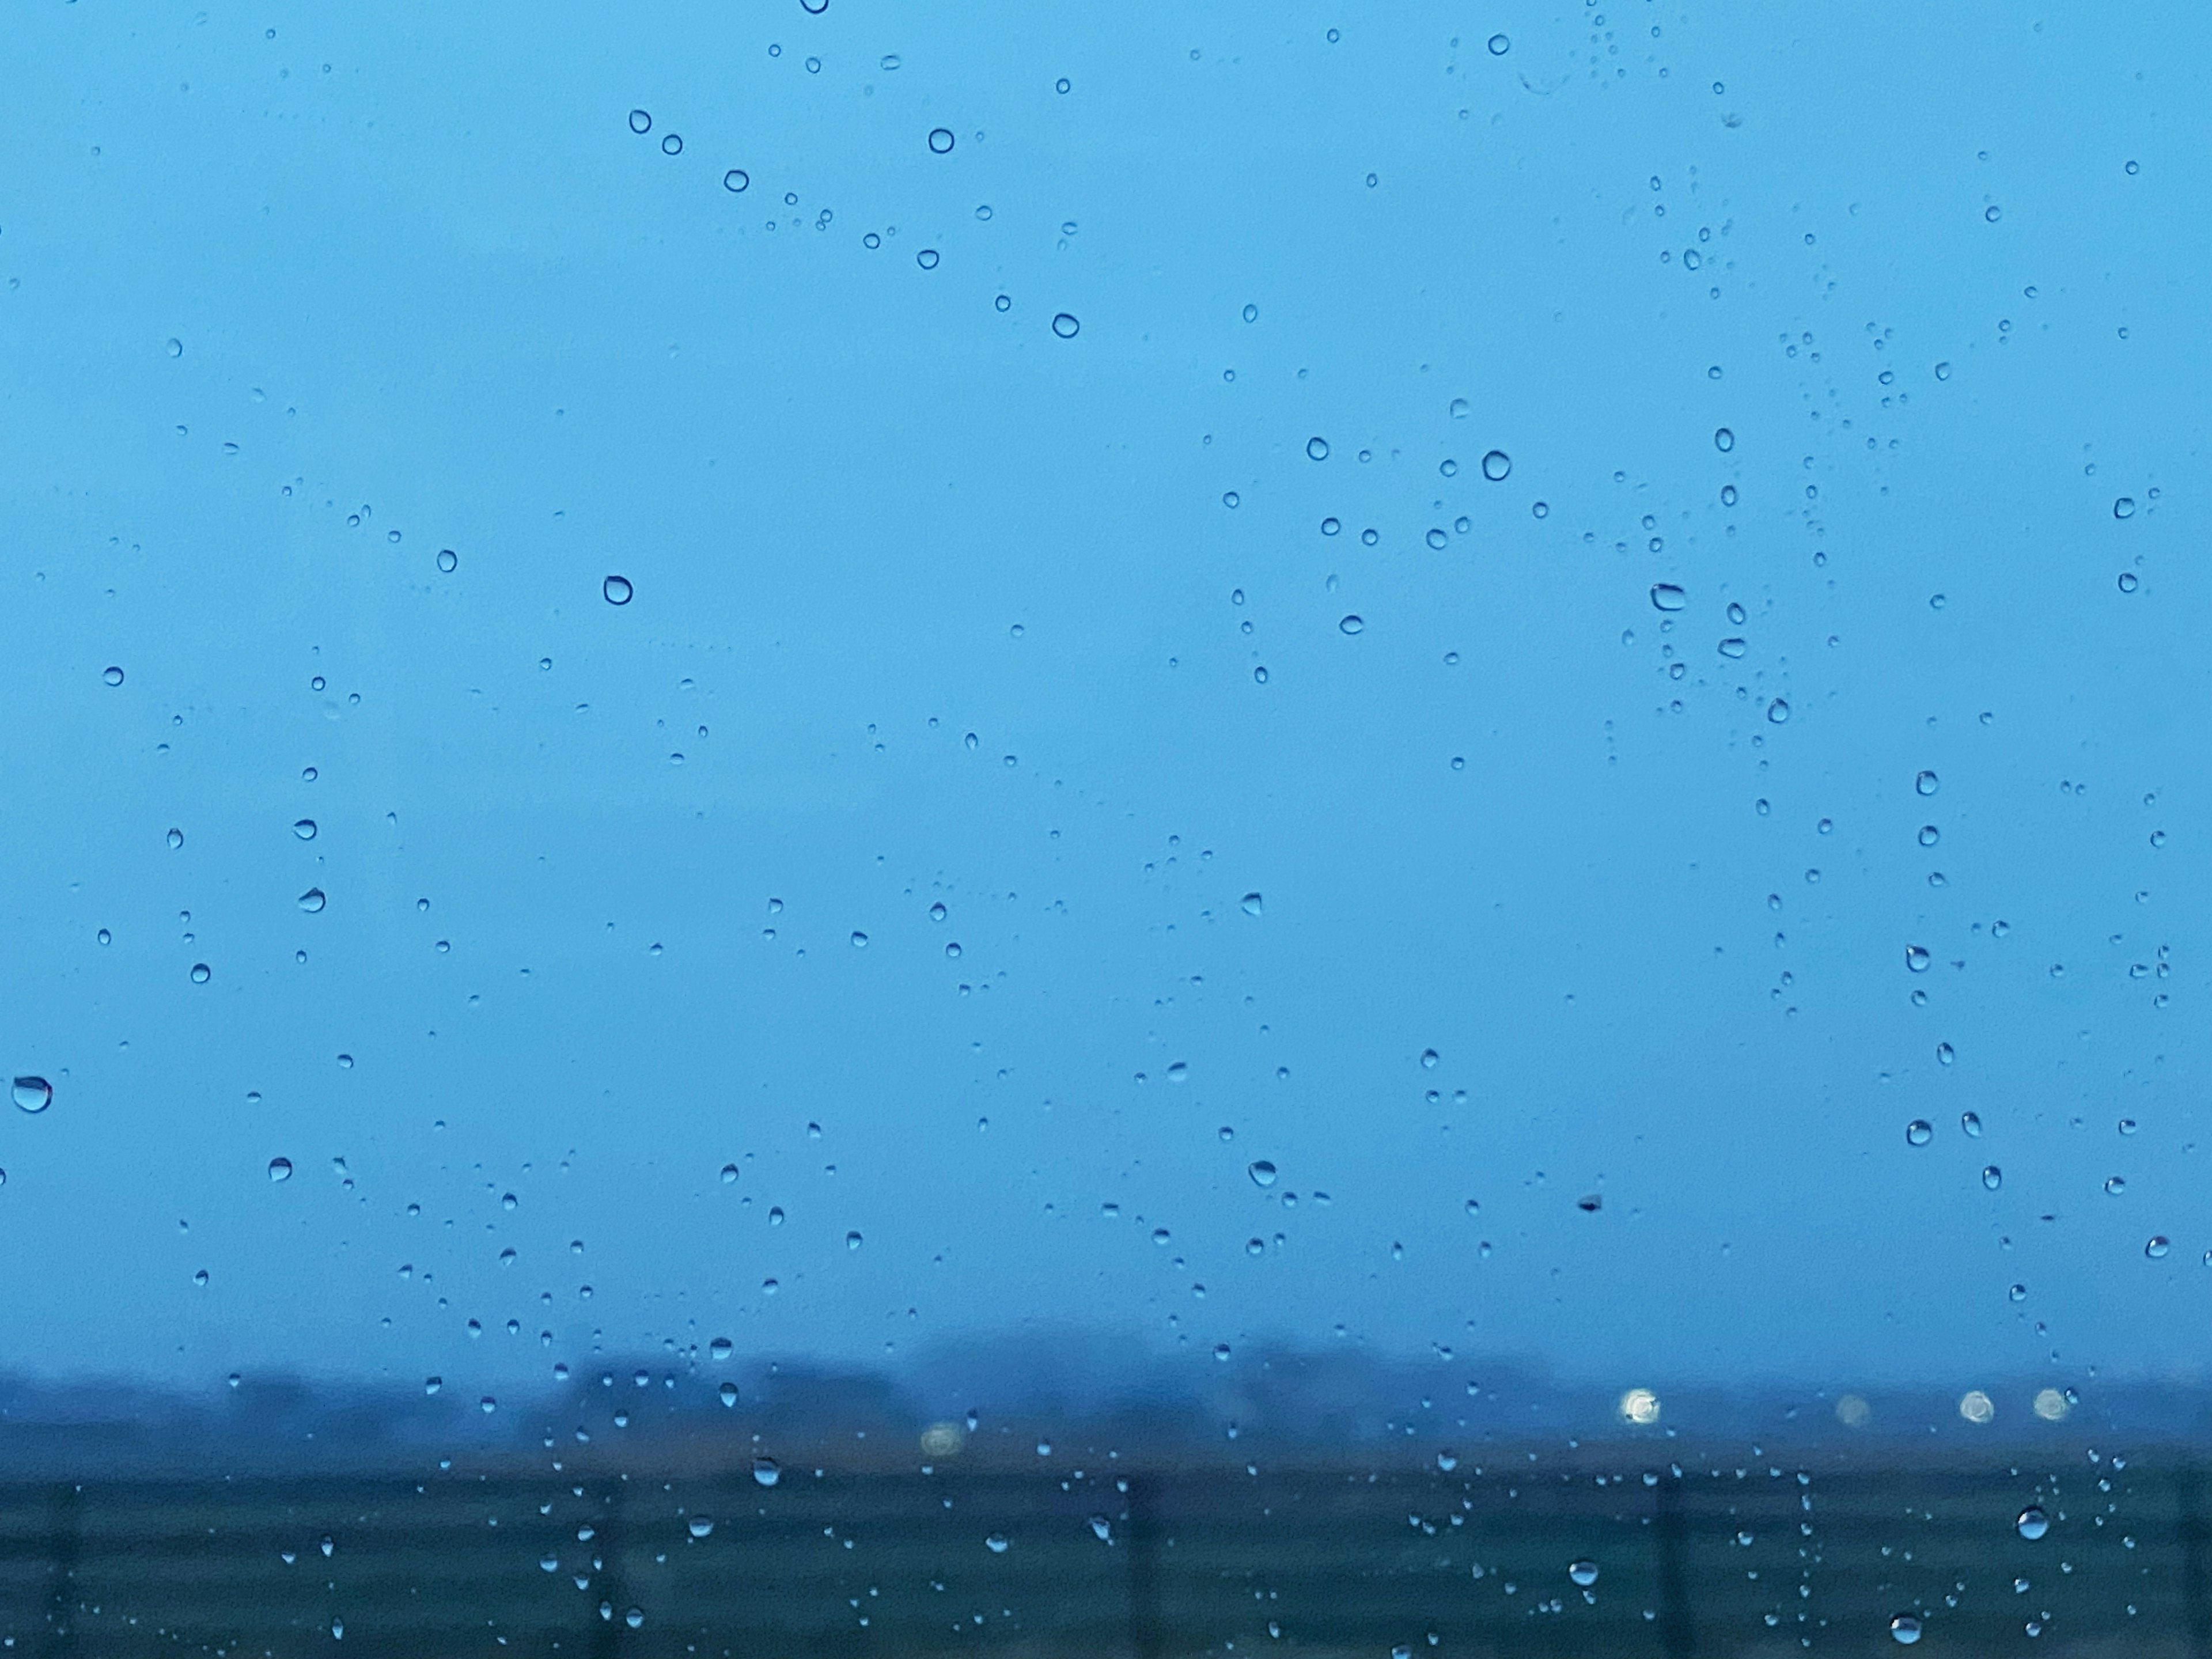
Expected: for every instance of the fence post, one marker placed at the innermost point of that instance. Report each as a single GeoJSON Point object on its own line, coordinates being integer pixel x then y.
{"type": "Point", "coordinates": [2196, 1614]}
{"type": "Point", "coordinates": [1142, 1540]}
{"type": "Point", "coordinates": [607, 1636]}
{"type": "Point", "coordinates": [1677, 1636]}
{"type": "Point", "coordinates": [63, 1525]}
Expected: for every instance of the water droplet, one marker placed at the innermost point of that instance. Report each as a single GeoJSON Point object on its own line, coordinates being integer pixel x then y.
{"type": "Point", "coordinates": [699, 1526]}
{"type": "Point", "coordinates": [1919, 1132]}
{"type": "Point", "coordinates": [176, 838]}
{"type": "Point", "coordinates": [2157, 1246]}
{"type": "Point", "coordinates": [1905, 1628]}
{"type": "Point", "coordinates": [337, 1630]}
{"type": "Point", "coordinates": [112, 675]}
{"type": "Point", "coordinates": [202, 973]}
{"type": "Point", "coordinates": [1496, 465]}
{"type": "Point", "coordinates": [1777, 712]}
{"type": "Point", "coordinates": [280, 1169]}
{"type": "Point", "coordinates": [1926, 783]}
{"type": "Point", "coordinates": [32, 1094]}
{"type": "Point", "coordinates": [312, 900]}
{"type": "Point", "coordinates": [1665, 596]}
{"type": "Point", "coordinates": [640, 122]}
{"type": "Point", "coordinates": [1251, 313]}
{"type": "Point", "coordinates": [729, 1173]}
{"type": "Point", "coordinates": [448, 561]}
{"type": "Point", "coordinates": [852, 1241]}
{"type": "Point", "coordinates": [860, 941]}
{"type": "Point", "coordinates": [2128, 584]}
{"type": "Point", "coordinates": [728, 1393]}
{"type": "Point", "coordinates": [1065, 326]}
{"type": "Point", "coordinates": [2115, 1185]}
{"type": "Point", "coordinates": [1992, 1176]}
{"type": "Point", "coordinates": [940, 140]}
{"type": "Point", "coordinates": [736, 179]}
{"type": "Point", "coordinates": [2124, 508]}
{"type": "Point", "coordinates": [617, 589]}
{"type": "Point", "coordinates": [1446, 1460]}
{"type": "Point", "coordinates": [1100, 1528]}
{"type": "Point", "coordinates": [635, 1616]}
{"type": "Point", "coordinates": [1350, 625]}
{"type": "Point", "coordinates": [304, 828]}
{"type": "Point", "coordinates": [1916, 958]}
{"type": "Point", "coordinates": [1723, 440]}
{"type": "Point", "coordinates": [1584, 1572]}
{"type": "Point", "coordinates": [996, 1543]}
{"type": "Point", "coordinates": [2033, 1522]}
{"type": "Point", "coordinates": [549, 1562]}
{"type": "Point", "coordinates": [767, 1471]}
{"type": "Point", "coordinates": [1317, 449]}
{"type": "Point", "coordinates": [1262, 1173]}
{"type": "Point", "coordinates": [1499, 45]}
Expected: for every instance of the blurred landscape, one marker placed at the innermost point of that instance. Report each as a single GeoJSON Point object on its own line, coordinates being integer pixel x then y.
{"type": "Point", "coordinates": [1048, 1496]}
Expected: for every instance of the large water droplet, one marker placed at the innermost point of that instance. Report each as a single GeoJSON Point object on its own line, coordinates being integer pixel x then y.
{"type": "Point", "coordinates": [1665, 596]}
{"type": "Point", "coordinates": [1777, 712]}
{"type": "Point", "coordinates": [1723, 440]}
{"type": "Point", "coordinates": [941, 140]}
{"type": "Point", "coordinates": [1317, 449]}
{"type": "Point", "coordinates": [767, 1471]}
{"type": "Point", "coordinates": [699, 1526]}
{"type": "Point", "coordinates": [32, 1094]}
{"type": "Point", "coordinates": [1584, 1572]}
{"type": "Point", "coordinates": [1496, 464]}
{"type": "Point", "coordinates": [304, 828]}
{"type": "Point", "coordinates": [202, 973]}
{"type": "Point", "coordinates": [1919, 1132]}
{"type": "Point", "coordinates": [1350, 625]}
{"type": "Point", "coordinates": [1065, 326]}
{"type": "Point", "coordinates": [1262, 1172]}
{"type": "Point", "coordinates": [1926, 783]}
{"type": "Point", "coordinates": [996, 1543]}
{"type": "Point", "coordinates": [280, 1169]}
{"type": "Point", "coordinates": [1916, 958]}
{"type": "Point", "coordinates": [2157, 1247]}
{"type": "Point", "coordinates": [114, 676]}
{"type": "Point", "coordinates": [312, 900]}
{"type": "Point", "coordinates": [2033, 1522]}
{"type": "Point", "coordinates": [1251, 903]}
{"type": "Point", "coordinates": [1905, 1628]}
{"type": "Point", "coordinates": [617, 590]}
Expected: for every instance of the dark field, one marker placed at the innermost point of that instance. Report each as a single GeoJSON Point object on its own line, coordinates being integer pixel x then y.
{"type": "Point", "coordinates": [1729, 1557]}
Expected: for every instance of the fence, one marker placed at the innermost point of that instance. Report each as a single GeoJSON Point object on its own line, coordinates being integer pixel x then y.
{"type": "Point", "coordinates": [1750, 1557]}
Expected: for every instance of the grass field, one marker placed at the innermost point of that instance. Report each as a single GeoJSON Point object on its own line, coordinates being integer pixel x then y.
{"type": "Point", "coordinates": [1746, 1557]}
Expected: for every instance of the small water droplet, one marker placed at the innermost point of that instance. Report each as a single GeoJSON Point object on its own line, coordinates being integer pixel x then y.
{"type": "Point", "coordinates": [280, 1169]}
{"type": "Point", "coordinates": [1992, 1176]}
{"type": "Point", "coordinates": [1926, 783]}
{"type": "Point", "coordinates": [1251, 903]}
{"type": "Point", "coordinates": [2033, 1522]}
{"type": "Point", "coordinates": [640, 122]}
{"type": "Point", "coordinates": [1317, 449]}
{"type": "Point", "coordinates": [2124, 508]}
{"type": "Point", "coordinates": [1916, 958]}
{"type": "Point", "coordinates": [1499, 45]}
{"type": "Point", "coordinates": [1723, 440]}
{"type": "Point", "coordinates": [1350, 625]}
{"type": "Point", "coordinates": [312, 900]}
{"type": "Point", "coordinates": [305, 828]}
{"type": "Point", "coordinates": [1065, 326]}
{"type": "Point", "coordinates": [1496, 465]}
{"type": "Point", "coordinates": [1665, 596]}
{"type": "Point", "coordinates": [176, 839]}
{"type": "Point", "coordinates": [2115, 1185]}
{"type": "Point", "coordinates": [1102, 1528]}
{"type": "Point", "coordinates": [448, 561]}
{"type": "Point", "coordinates": [112, 674]}
{"type": "Point", "coordinates": [617, 590]}
{"type": "Point", "coordinates": [699, 1526]}
{"type": "Point", "coordinates": [202, 973]}
{"type": "Point", "coordinates": [32, 1094]}
{"type": "Point", "coordinates": [1261, 1171]}
{"type": "Point", "coordinates": [860, 941]}
{"type": "Point", "coordinates": [1905, 1628]}
{"type": "Point", "coordinates": [1584, 1572]}
{"type": "Point", "coordinates": [996, 1543]}
{"type": "Point", "coordinates": [940, 140]}
{"type": "Point", "coordinates": [736, 179]}
{"type": "Point", "coordinates": [1777, 712]}
{"type": "Point", "coordinates": [1919, 1132]}
{"type": "Point", "coordinates": [2157, 1246]}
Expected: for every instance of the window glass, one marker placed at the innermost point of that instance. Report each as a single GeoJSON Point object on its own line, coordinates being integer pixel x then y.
{"type": "Point", "coordinates": [841, 830]}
